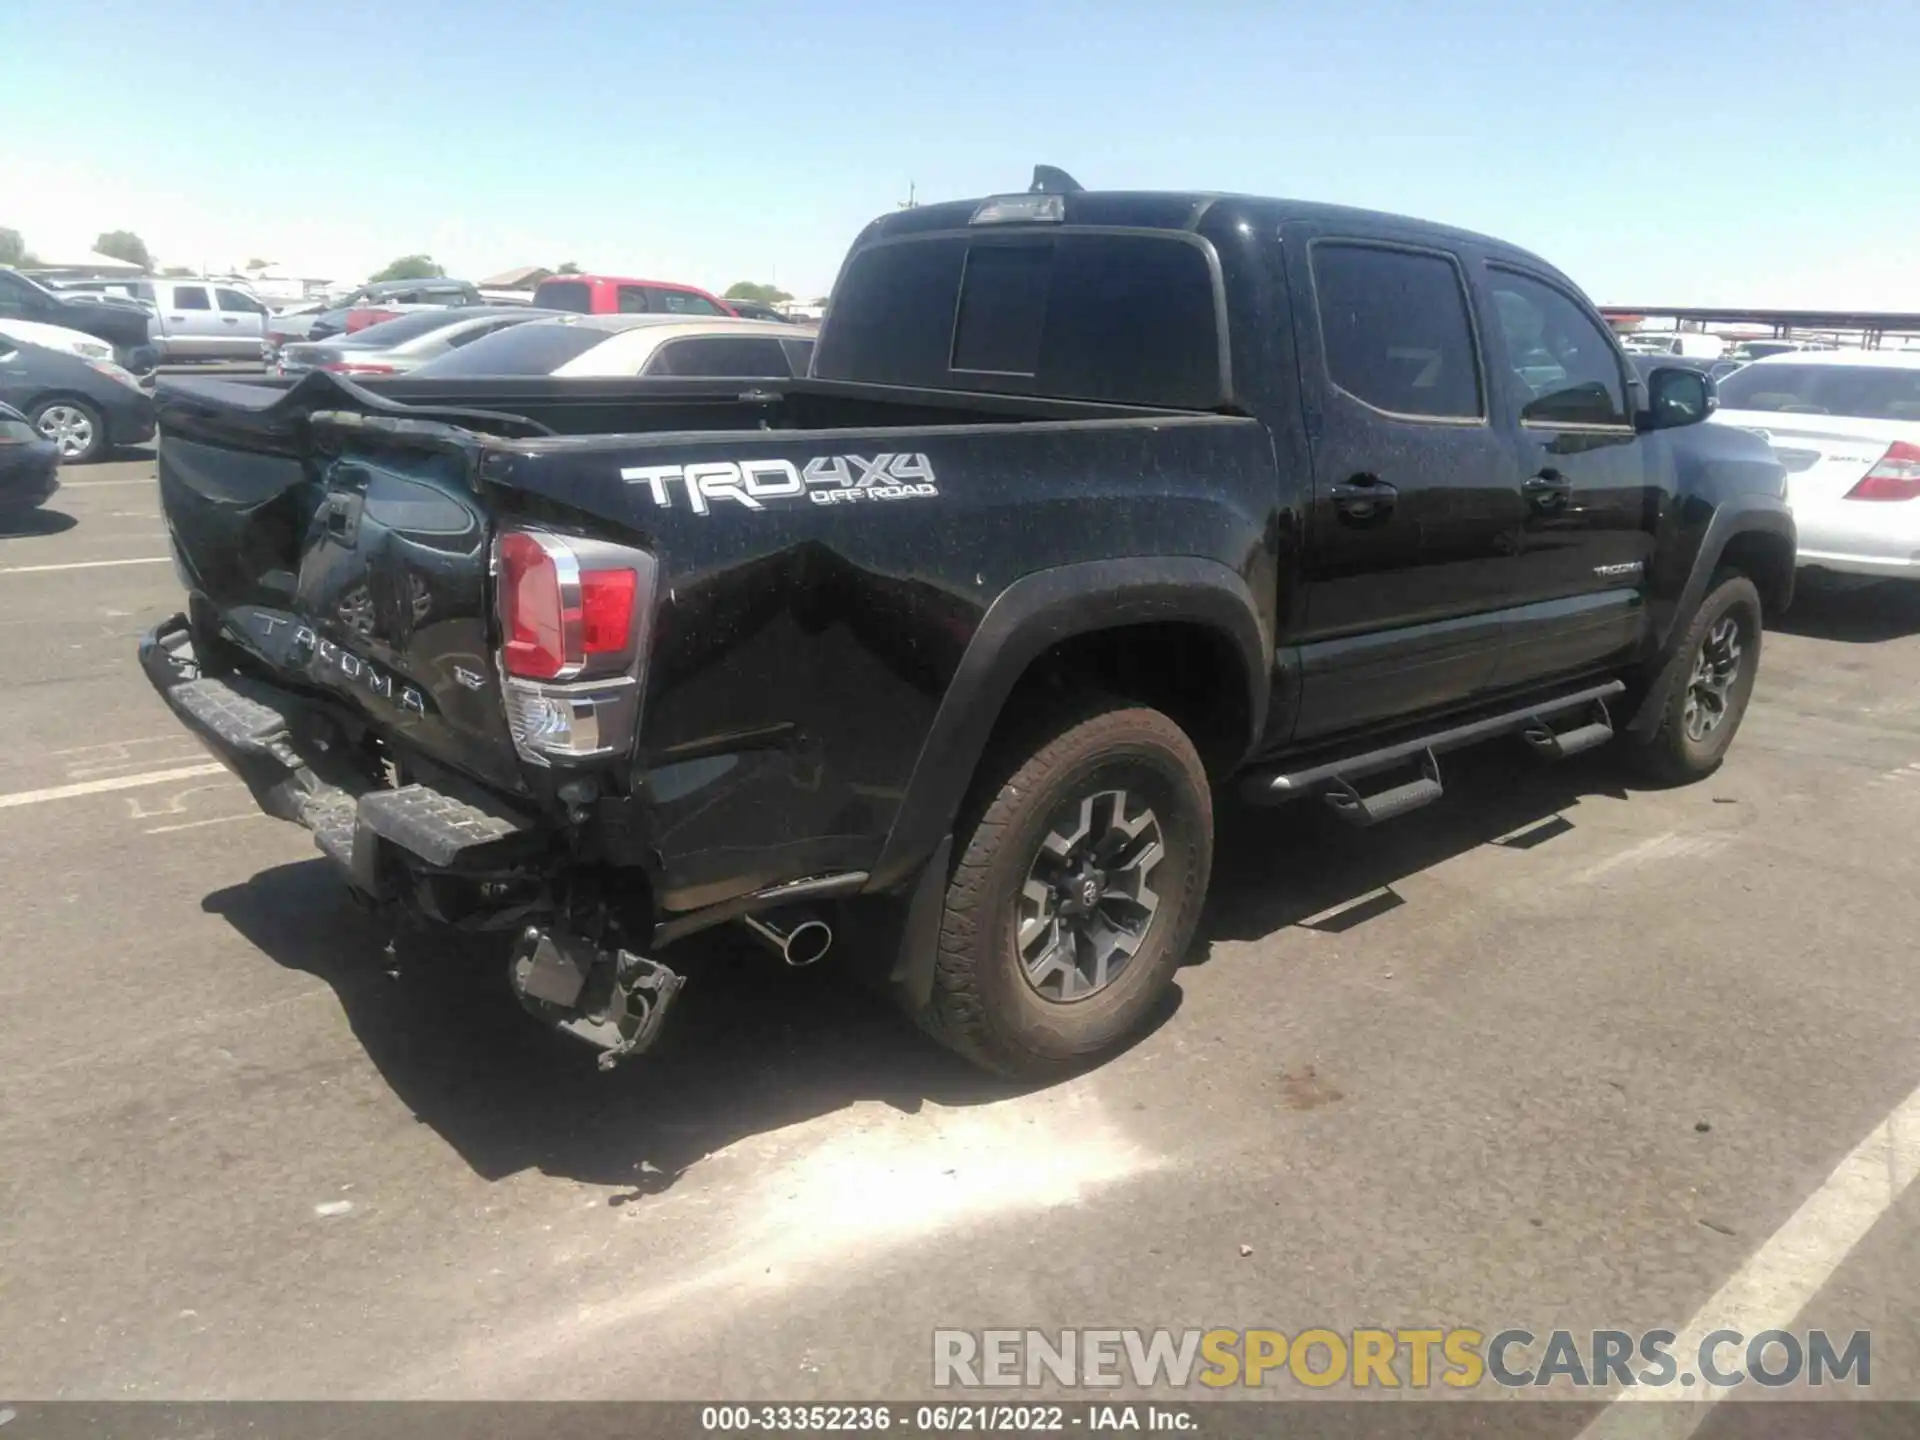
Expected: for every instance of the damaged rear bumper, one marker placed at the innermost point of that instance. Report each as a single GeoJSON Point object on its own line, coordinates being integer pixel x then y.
{"type": "Point", "coordinates": [295, 762]}
{"type": "Point", "coordinates": [300, 765]}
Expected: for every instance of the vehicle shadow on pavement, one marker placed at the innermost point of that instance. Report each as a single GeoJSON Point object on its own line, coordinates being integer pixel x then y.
{"type": "Point", "coordinates": [1861, 614]}
{"type": "Point", "coordinates": [751, 1046]}
{"type": "Point", "coordinates": [22, 524]}
{"type": "Point", "coordinates": [1300, 864]}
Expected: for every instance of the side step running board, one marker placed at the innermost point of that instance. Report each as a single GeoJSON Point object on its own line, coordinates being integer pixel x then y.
{"type": "Point", "coordinates": [1357, 809]}
{"type": "Point", "coordinates": [1559, 744]}
{"type": "Point", "coordinates": [1335, 778]}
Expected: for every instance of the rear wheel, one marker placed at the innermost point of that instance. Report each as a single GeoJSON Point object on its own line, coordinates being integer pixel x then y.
{"type": "Point", "coordinates": [1709, 679]}
{"type": "Point", "coordinates": [73, 425]}
{"type": "Point", "coordinates": [1077, 893]}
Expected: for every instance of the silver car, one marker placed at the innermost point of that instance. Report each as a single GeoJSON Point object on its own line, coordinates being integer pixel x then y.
{"type": "Point", "coordinates": [395, 347]}
{"type": "Point", "coordinates": [683, 346]}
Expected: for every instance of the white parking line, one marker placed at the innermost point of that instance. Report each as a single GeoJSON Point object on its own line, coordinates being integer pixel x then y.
{"type": "Point", "coordinates": [99, 484]}
{"type": "Point", "coordinates": [100, 787]}
{"type": "Point", "coordinates": [1783, 1274]}
{"type": "Point", "coordinates": [217, 820]}
{"type": "Point", "coordinates": [82, 565]}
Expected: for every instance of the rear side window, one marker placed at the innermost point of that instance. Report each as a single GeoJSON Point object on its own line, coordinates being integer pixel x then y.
{"type": "Point", "coordinates": [535, 348]}
{"type": "Point", "coordinates": [564, 295]}
{"type": "Point", "coordinates": [1396, 330]}
{"type": "Point", "coordinates": [1131, 319]}
{"type": "Point", "coordinates": [190, 297]}
{"type": "Point", "coordinates": [1562, 360]}
{"type": "Point", "coordinates": [683, 302]}
{"type": "Point", "coordinates": [631, 300]}
{"type": "Point", "coordinates": [726, 355]}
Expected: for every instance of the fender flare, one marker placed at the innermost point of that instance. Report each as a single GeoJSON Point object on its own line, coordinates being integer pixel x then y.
{"type": "Point", "coordinates": [1737, 515]}
{"type": "Point", "coordinates": [1029, 617]}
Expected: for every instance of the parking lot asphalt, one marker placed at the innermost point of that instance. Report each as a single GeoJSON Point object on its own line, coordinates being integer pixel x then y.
{"type": "Point", "coordinates": [1559, 1051]}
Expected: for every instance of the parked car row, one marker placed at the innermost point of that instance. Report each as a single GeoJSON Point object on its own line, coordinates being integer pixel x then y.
{"type": "Point", "coordinates": [520, 341]}
{"type": "Point", "coordinates": [83, 406]}
{"type": "Point", "coordinates": [123, 327]}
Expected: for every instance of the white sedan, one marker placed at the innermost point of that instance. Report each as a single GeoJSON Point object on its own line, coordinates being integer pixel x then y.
{"type": "Point", "coordinates": [1846, 424]}
{"type": "Point", "coordinates": [609, 345]}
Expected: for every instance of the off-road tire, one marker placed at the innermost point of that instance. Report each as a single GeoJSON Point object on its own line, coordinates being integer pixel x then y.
{"type": "Point", "coordinates": [1670, 754]}
{"type": "Point", "coordinates": [983, 1005]}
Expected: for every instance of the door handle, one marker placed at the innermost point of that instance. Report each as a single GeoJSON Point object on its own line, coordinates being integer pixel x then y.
{"type": "Point", "coordinates": [1548, 490]}
{"type": "Point", "coordinates": [1364, 497]}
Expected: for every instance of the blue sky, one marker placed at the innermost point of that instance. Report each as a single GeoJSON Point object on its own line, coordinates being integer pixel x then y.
{"type": "Point", "coordinates": [1688, 151]}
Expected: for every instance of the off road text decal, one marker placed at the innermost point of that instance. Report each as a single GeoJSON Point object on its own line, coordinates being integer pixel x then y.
{"type": "Point", "coordinates": [825, 480]}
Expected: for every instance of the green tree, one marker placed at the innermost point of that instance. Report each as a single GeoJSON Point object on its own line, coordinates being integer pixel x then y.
{"type": "Point", "coordinates": [567, 267]}
{"type": "Point", "coordinates": [407, 267]}
{"type": "Point", "coordinates": [124, 245]}
{"type": "Point", "coordinates": [755, 290]}
{"type": "Point", "coordinates": [12, 248]}
{"type": "Point", "coordinates": [174, 270]}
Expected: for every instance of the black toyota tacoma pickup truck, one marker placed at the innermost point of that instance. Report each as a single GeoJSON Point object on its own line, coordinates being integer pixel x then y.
{"type": "Point", "coordinates": [1095, 505]}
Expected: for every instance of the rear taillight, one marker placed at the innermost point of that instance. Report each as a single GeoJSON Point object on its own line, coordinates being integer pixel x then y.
{"type": "Point", "coordinates": [347, 367]}
{"type": "Point", "coordinates": [1895, 477]}
{"type": "Point", "coordinates": [573, 623]}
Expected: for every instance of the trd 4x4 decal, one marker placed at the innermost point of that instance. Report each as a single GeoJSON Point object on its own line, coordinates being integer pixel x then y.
{"type": "Point", "coordinates": [825, 480]}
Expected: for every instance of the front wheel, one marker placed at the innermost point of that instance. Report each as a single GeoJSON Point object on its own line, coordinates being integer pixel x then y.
{"type": "Point", "coordinates": [1077, 893]}
{"type": "Point", "coordinates": [75, 427]}
{"type": "Point", "coordinates": [1709, 679]}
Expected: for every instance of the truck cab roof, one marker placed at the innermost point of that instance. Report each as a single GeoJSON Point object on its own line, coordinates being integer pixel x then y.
{"type": "Point", "coordinates": [1193, 210]}
{"type": "Point", "coordinates": [1136, 298]}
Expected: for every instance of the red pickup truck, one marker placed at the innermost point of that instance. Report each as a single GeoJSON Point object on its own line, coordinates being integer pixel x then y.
{"type": "Point", "coordinates": [623, 295]}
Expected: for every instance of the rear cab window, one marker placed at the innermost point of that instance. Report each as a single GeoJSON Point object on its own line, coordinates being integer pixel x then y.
{"type": "Point", "coordinates": [574, 295]}
{"type": "Point", "coordinates": [191, 297]}
{"type": "Point", "coordinates": [1080, 313]}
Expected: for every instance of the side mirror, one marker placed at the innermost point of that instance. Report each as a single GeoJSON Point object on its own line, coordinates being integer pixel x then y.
{"type": "Point", "coordinates": [1677, 396]}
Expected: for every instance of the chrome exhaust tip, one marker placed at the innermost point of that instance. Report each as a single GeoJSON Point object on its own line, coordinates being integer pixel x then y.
{"type": "Point", "coordinates": [798, 939]}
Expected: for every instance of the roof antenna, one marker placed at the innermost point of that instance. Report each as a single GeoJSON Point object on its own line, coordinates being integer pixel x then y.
{"type": "Point", "coordinates": [1051, 180]}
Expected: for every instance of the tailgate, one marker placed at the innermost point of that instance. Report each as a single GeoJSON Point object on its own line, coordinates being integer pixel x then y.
{"type": "Point", "coordinates": [345, 554]}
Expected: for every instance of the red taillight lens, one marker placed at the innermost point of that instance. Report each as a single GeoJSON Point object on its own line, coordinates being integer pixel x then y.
{"type": "Point", "coordinates": [533, 620]}
{"type": "Point", "coordinates": [1895, 477]}
{"type": "Point", "coordinates": [557, 618]}
{"type": "Point", "coordinates": [606, 610]}
{"type": "Point", "coordinates": [574, 624]}
{"type": "Point", "coordinates": [345, 367]}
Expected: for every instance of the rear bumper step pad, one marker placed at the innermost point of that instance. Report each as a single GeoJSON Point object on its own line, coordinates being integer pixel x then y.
{"type": "Point", "coordinates": [269, 739]}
